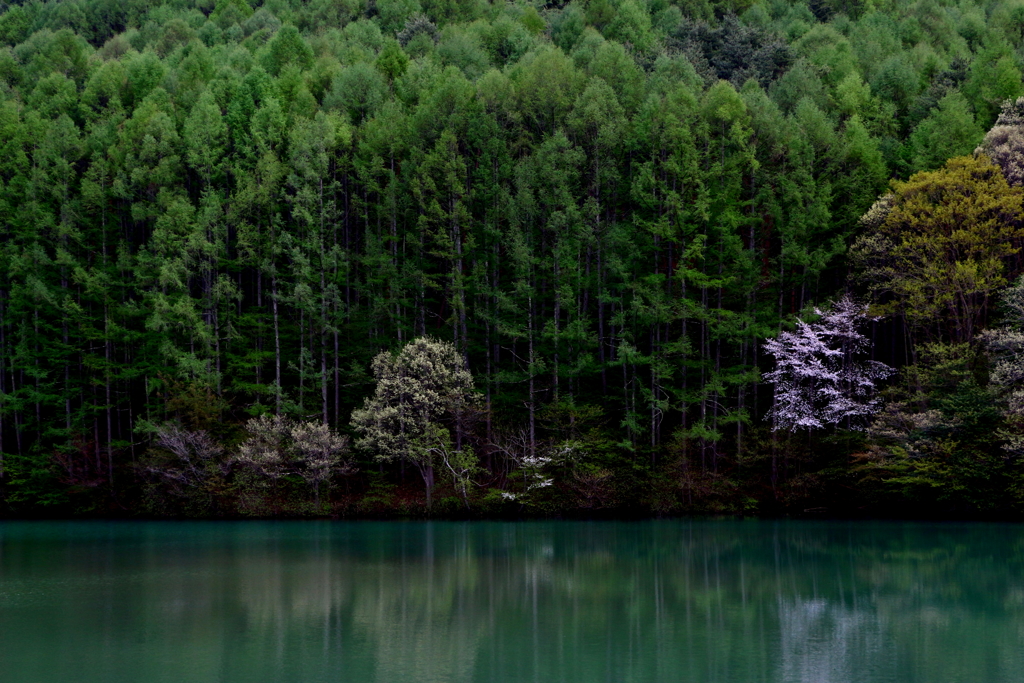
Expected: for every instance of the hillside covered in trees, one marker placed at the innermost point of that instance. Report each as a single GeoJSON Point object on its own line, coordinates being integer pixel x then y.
{"type": "Point", "coordinates": [588, 217]}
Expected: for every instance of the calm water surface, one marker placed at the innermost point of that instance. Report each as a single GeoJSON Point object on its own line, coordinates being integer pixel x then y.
{"type": "Point", "coordinates": [742, 601]}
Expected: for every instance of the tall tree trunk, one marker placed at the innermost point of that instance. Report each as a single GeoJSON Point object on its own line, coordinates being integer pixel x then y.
{"type": "Point", "coordinates": [277, 347]}
{"type": "Point", "coordinates": [556, 319]}
{"type": "Point", "coordinates": [106, 383]}
{"type": "Point", "coordinates": [323, 337]}
{"type": "Point", "coordinates": [3, 383]}
{"type": "Point", "coordinates": [337, 381]}
{"type": "Point", "coordinates": [428, 482]}
{"type": "Point", "coordinates": [530, 403]}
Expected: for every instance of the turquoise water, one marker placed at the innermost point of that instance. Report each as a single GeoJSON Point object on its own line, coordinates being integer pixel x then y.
{"type": "Point", "coordinates": [742, 601]}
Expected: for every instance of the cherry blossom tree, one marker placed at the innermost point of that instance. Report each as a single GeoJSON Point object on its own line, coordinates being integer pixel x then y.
{"type": "Point", "coordinates": [423, 393]}
{"type": "Point", "coordinates": [819, 378]}
{"type": "Point", "coordinates": [1005, 345]}
{"type": "Point", "coordinates": [278, 447]}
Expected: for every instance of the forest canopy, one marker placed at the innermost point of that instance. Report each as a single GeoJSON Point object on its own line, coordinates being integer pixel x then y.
{"type": "Point", "coordinates": [214, 212]}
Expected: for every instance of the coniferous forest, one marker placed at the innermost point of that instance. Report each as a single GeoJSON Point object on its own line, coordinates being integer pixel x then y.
{"type": "Point", "coordinates": [460, 257]}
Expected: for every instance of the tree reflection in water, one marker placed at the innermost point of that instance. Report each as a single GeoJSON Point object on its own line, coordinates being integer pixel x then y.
{"type": "Point", "coordinates": [561, 601]}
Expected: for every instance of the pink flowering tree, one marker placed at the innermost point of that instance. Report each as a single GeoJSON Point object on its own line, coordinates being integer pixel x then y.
{"type": "Point", "coordinates": [820, 377]}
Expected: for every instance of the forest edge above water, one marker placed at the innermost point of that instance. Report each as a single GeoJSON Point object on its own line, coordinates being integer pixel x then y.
{"type": "Point", "coordinates": [369, 258]}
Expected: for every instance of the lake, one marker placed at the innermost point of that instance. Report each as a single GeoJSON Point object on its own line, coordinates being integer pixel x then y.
{"type": "Point", "coordinates": [396, 602]}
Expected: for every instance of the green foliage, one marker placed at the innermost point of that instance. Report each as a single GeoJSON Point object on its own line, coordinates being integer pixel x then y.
{"type": "Point", "coordinates": [937, 442]}
{"type": "Point", "coordinates": [287, 47]}
{"type": "Point", "coordinates": [994, 78]}
{"type": "Point", "coordinates": [221, 210]}
{"type": "Point", "coordinates": [392, 61]}
{"type": "Point", "coordinates": [949, 131]}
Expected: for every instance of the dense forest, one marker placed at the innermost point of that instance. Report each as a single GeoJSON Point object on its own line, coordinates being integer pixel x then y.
{"type": "Point", "coordinates": [587, 233]}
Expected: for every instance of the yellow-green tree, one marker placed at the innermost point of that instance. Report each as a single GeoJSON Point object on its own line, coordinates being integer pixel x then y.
{"type": "Point", "coordinates": [942, 246]}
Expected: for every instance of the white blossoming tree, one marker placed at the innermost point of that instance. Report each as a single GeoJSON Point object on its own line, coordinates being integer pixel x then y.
{"type": "Point", "coordinates": [1005, 344]}
{"type": "Point", "coordinates": [278, 447]}
{"type": "Point", "coordinates": [819, 378]}
{"type": "Point", "coordinates": [1004, 143]}
{"type": "Point", "coordinates": [423, 394]}
{"type": "Point", "coordinates": [197, 453]}
{"type": "Point", "coordinates": [537, 462]}
{"type": "Point", "coordinates": [183, 470]}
